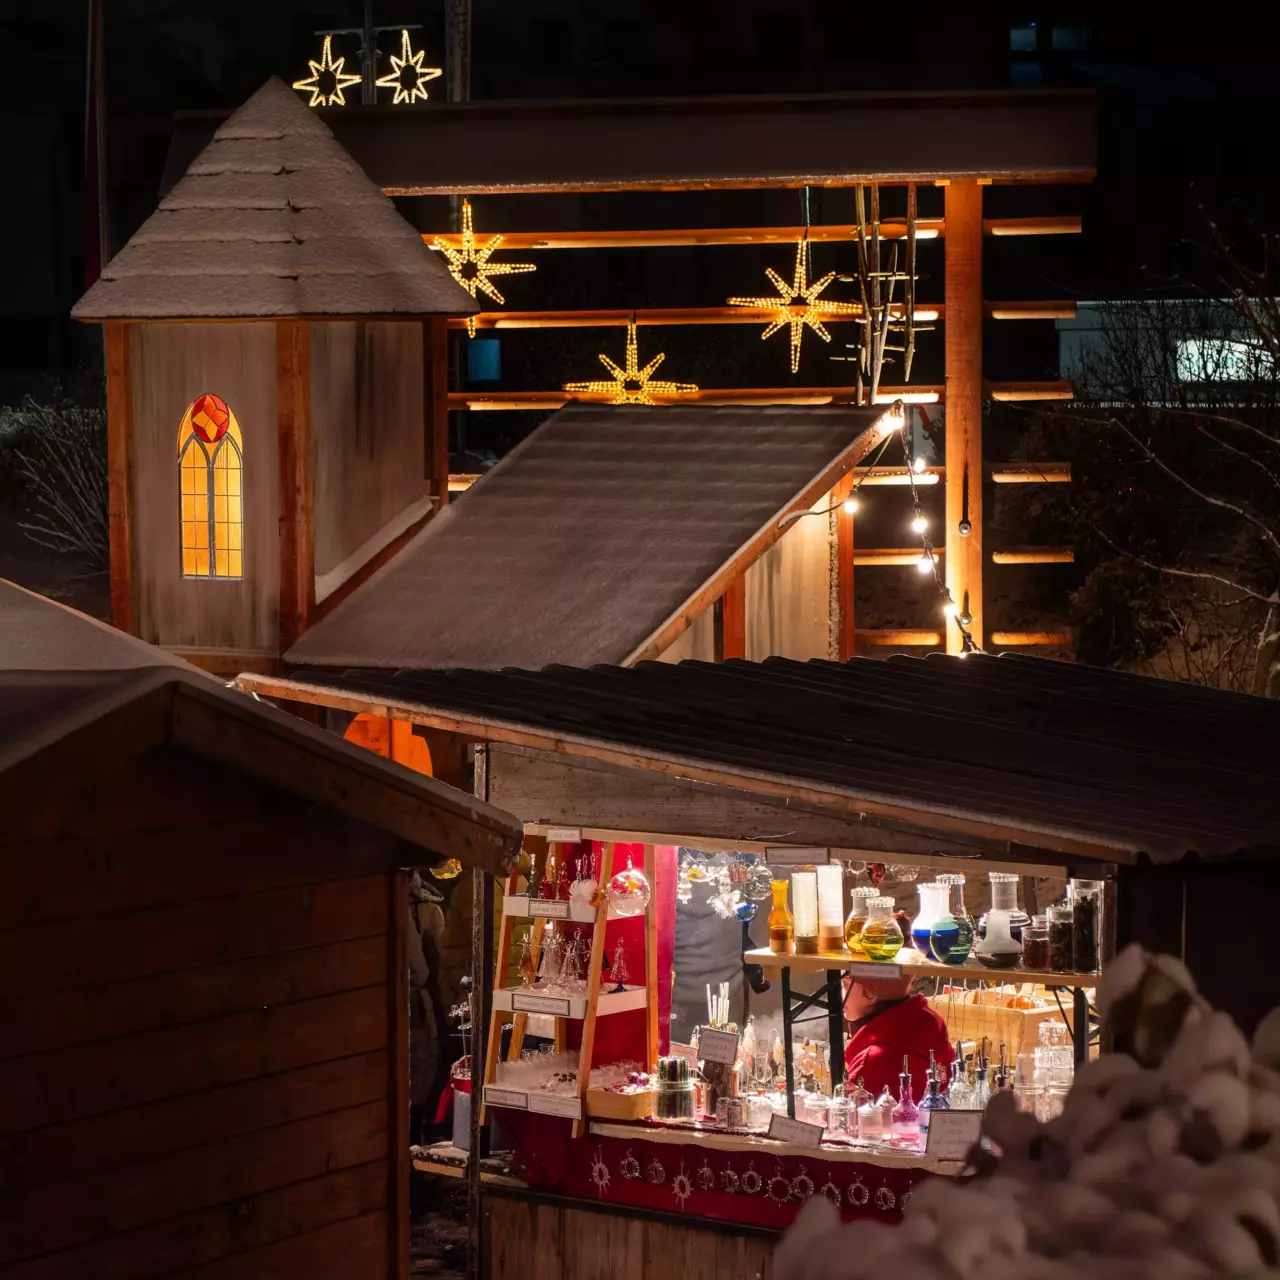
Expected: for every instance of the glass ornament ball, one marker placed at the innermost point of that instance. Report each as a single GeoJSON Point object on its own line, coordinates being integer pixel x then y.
{"type": "Point", "coordinates": [759, 883]}
{"type": "Point", "coordinates": [698, 870]}
{"type": "Point", "coordinates": [449, 869]}
{"type": "Point", "coordinates": [746, 910]}
{"type": "Point", "coordinates": [629, 893]}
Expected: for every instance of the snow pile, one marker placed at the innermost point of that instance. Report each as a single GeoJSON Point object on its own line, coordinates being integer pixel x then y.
{"type": "Point", "coordinates": [1163, 1164]}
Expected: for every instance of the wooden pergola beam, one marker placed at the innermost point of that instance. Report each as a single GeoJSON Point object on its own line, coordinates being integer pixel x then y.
{"type": "Point", "coordinates": [1034, 555]}
{"type": "Point", "coordinates": [892, 229]}
{"type": "Point", "coordinates": [1000, 639]}
{"type": "Point", "coordinates": [1008, 639]}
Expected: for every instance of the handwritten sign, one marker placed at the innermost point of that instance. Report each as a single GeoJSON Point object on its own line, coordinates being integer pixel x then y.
{"type": "Point", "coordinates": [717, 1046]}
{"type": "Point", "coordinates": [952, 1134]}
{"type": "Point", "coordinates": [564, 835]}
{"type": "Point", "coordinates": [684, 1051]}
{"type": "Point", "coordinates": [521, 1003]}
{"type": "Point", "coordinates": [548, 909]}
{"type": "Point", "coordinates": [797, 1132]}
{"type": "Point", "coordinates": [552, 1104]}
{"type": "Point", "coordinates": [787, 856]}
{"type": "Point", "coordinates": [871, 969]}
{"type": "Point", "coordinates": [506, 1097]}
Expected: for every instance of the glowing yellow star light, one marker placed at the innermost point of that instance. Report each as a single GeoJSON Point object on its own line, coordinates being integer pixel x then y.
{"type": "Point", "coordinates": [412, 62]}
{"type": "Point", "coordinates": [470, 266]}
{"type": "Point", "coordinates": [799, 305]}
{"type": "Point", "coordinates": [341, 80]}
{"type": "Point", "coordinates": [633, 385]}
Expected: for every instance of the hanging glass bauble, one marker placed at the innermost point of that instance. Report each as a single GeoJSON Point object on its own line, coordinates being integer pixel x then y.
{"type": "Point", "coordinates": [629, 892]}
{"type": "Point", "coordinates": [746, 909]}
{"type": "Point", "coordinates": [759, 885]}
{"type": "Point", "coordinates": [449, 869]}
{"type": "Point", "coordinates": [697, 868]}
{"type": "Point", "coordinates": [684, 890]}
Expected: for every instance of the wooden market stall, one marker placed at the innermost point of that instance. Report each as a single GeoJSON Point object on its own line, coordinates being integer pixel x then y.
{"type": "Point", "coordinates": [204, 1063]}
{"type": "Point", "coordinates": [1040, 768]}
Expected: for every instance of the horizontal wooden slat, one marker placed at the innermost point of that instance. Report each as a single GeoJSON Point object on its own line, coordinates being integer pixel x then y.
{"type": "Point", "coordinates": [190, 995]}
{"type": "Point", "coordinates": [65, 1152]}
{"type": "Point", "coordinates": [1030, 310]}
{"type": "Point", "coordinates": [516, 400]}
{"type": "Point", "coordinates": [925, 313]}
{"type": "Point", "coordinates": [187, 935]}
{"type": "Point", "coordinates": [912, 556]}
{"type": "Point", "coordinates": [120, 1199]}
{"type": "Point", "coordinates": [232, 1228]}
{"type": "Point", "coordinates": [81, 1081]}
{"type": "Point", "coordinates": [1012, 638]}
{"type": "Point", "coordinates": [1031, 473]}
{"type": "Point", "coordinates": [1034, 555]}
{"type": "Point", "coordinates": [1051, 226]}
{"type": "Point", "coordinates": [1058, 390]}
{"type": "Point", "coordinates": [896, 636]}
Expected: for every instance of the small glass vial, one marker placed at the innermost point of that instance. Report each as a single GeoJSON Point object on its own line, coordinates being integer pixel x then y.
{"type": "Point", "coordinates": [804, 903]}
{"type": "Point", "coordinates": [781, 924]}
{"type": "Point", "coordinates": [881, 935]}
{"type": "Point", "coordinates": [856, 918]}
{"type": "Point", "coordinates": [831, 907]}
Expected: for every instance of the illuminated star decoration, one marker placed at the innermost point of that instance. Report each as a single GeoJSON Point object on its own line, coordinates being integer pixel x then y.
{"type": "Point", "coordinates": [341, 80]}
{"type": "Point", "coordinates": [633, 385]}
{"type": "Point", "coordinates": [470, 266]}
{"type": "Point", "coordinates": [395, 78]}
{"type": "Point", "coordinates": [799, 305]}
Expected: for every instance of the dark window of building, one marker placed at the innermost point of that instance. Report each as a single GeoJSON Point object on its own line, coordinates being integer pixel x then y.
{"type": "Point", "coordinates": [551, 45]}
{"type": "Point", "coordinates": [1022, 38]}
{"type": "Point", "coordinates": [1071, 38]}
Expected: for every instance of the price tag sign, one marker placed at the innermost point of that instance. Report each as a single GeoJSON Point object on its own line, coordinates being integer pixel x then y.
{"type": "Point", "coordinates": [506, 1097]}
{"type": "Point", "coordinates": [952, 1133]}
{"type": "Point", "coordinates": [797, 1132]}
{"type": "Point", "coordinates": [717, 1046]}
{"type": "Point", "coordinates": [551, 1104]}
{"type": "Point", "coordinates": [786, 856]}
{"type": "Point", "coordinates": [564, 835]}
{"type": "Point", "coordinates": [540, 1004]}
{"type": "Point", "coordinates": [548, 909]}
{"type": "Point", "coordinates": [684, 1051]}
{"type": "Point", "coordinates": [869, 969]}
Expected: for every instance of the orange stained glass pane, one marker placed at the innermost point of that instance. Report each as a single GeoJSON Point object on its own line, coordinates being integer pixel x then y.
{"type": "Point", "coordinates": [220, 509]}
{"type": "Point", "coordinates": [211, 493]}
{"type": "Point", "coordinates": [188, 559]}
{"type": "Point", "coordinates": [235, 567]}
{"type": "Point", "coordinates": [235, 534]}
{"type": "Point", "coordinates": [220, 564]}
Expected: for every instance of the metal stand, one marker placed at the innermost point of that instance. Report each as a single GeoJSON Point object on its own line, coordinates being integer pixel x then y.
{"type": "Point", "coordinates": [830, 1000]}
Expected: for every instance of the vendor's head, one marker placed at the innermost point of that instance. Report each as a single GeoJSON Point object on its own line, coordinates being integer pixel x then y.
{"type": "Point", "coordinates": [861, 995]}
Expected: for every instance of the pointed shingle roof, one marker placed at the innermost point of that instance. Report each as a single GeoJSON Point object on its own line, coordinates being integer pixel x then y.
{"type": "Point", "coordinates": [274, 218]}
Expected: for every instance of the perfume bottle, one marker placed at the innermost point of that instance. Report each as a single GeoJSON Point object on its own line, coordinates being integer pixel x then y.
{"type": "Point", "coordinates": [904, 1119]}
{"type": "Point", "coordinates": [781, 924]}
{"type": "Point", "coordinates": [959, 1093]}
{"type": "Point", "coordinates": [933, 1100]}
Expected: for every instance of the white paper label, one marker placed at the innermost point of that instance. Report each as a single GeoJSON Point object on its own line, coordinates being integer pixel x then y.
{"type": "Point", "coordinates": [506, 1097]}
{"type": "Point", "coordinates": [564, 835]}
{"type": "Point", "coordinates": [717, 1046]}
{"type": "Point", "coordinates": [548, 909]}
{"type": "Point", "coordinates": [873, 969]}
{"type": "Point", "coordinates": [684, 1051]}
{"type": "Point", "coordinates": [550, 1104]}
{"type": "Point", "coordinates": [787, 856]}
{"type": "Point", "coordinates": [785, 1129]}
{"type": "Point", "coordinates": [521, 1003]}
{"type": "Point", "coordinates": [952, 1133]}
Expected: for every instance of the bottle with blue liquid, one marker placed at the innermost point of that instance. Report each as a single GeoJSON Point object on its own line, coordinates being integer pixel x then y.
{"type": "Point", "coordinates": [933, 931]}
{"type": "Point", "coordinates": [934, 1099]}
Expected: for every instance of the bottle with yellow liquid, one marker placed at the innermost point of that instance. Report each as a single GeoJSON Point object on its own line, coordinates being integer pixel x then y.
{"type": "Point", "coordinates": [781, 924]}
{"type": "Point", "coordinates": [881, 935]}
{"type": "Point", "coordinates": [856, 919]}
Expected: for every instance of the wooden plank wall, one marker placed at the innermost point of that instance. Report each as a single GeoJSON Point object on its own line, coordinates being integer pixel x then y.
{"type": "Point", "coordinates": [172, 364]}
{"type": "Point", "coordinates": [527, 1240]}
{"type": "Point", "coordinates": [195, 1059]}
{"type": "Point", "coordinates": [366, 430]}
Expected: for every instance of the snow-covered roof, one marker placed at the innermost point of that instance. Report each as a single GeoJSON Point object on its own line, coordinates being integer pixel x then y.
{"type": "Point", "coordinates": [274, 218]}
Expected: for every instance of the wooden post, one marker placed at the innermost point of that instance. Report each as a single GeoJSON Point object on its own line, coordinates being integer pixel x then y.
{"type": "Point", "coordinates": [730, 620]}
{"type": "Point", "coordinates": [398, 1064]}
{"type": "Point", "coordinates": [120, 472]}
{"type": "Point", "coordinates": [539, 852]}
{"type": "Point", "coordinates": [293, 433]}
{"type": "Point", "coordinates": [594, 969]}
{"type": "Point", "coordinates": [844, 571]}
{"type": "Point", "coordinates": [963, 207]}
{"type": "Point", "coordinates": [651, 960]}
{"type": "Point", "coordinates": [435, 406]}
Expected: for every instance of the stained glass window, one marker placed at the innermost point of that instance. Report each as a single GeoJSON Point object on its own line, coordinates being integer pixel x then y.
{"type": "Point", "coordinates": [211, 490]}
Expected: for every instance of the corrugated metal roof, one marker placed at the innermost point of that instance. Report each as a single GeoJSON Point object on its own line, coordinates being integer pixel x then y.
{"type": "Point", "coordinates": [765, 140]}
{"type": "Point", "coordinates": [589, 537]}
{"type": "Point", "coordinates": [1058, 751]}
{"type": "Point", "coordinates": [273, 218]}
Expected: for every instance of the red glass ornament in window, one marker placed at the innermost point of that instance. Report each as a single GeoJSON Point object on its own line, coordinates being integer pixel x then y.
{"type": "Point", "coordinates": [210, 417]}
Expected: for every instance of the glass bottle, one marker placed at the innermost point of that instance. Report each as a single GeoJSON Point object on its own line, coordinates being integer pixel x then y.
{"type": "Point", "coordinates": [960, 1093]}
{"type": "Point", "coordinates": [881, 935]}
{"type": "Point", "coordinates": [904, 1118]}
{"type": "Point", "coordinates": [804, 905]}
{"type": "Point", "coordinates": [932, 905]}
{"type": "Point", "coordinates": [1086, 924]}
{"type": "Point", "coordinates": [781, 924]}
{"type": "Point", "coordinates": [934, 1100]}
{"type": "Point", "coordinates": [958, 913]}
{"type": "Point", "coordinates": [856, 918]}
{"type": "Point", "coordinates": [1060, 938]}
{"type": "Point", "coordinates": [999, 949]}
{"type": "Point", "coordinates": [831, 907]}
{"type": "Point", "coordinates": [870, 1118]}
{"type": "Point", "coordinates": [1004, 897]}
{"type": "Point", "coordinates": [839, 1113]}
{"type": "Point", "coordinates": [1035, 945]}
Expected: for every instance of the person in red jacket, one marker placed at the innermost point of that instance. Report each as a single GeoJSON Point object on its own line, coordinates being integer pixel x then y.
{"type": "Point", "coordinates": [884, 1023]}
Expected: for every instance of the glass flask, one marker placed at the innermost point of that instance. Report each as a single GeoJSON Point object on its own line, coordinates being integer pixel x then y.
{"type": "Point", "coordinates": [934, 1100]}
{"type": "Point", "coordinates": [1086, 924]}
{"type": "Point", "coordinates": [932, 905]}
{"type": "Point", "coordinates": [904, 1118]}
{"type": "Point", "coordinates": [856, 918]}
{"type": "Point", "coordinates": [881, 935]}
{"type": "Point", "coordinates": [1060, 938]}
{"type": "Point", "coordinates": [804, 904]}
{"type": "Point", "coordinates": [629, 892]}
{"type": "Point", "coordinates": [962, 944]}
{"type": "Point", "coordinates": [831, 907]}
{"type": "Point", "coordinates": [756, 886]}
{"type": "Point", "coordinates": [781, 924]}
{"type": "Point", "coordinates": [999, 949]}
{"type": "Point", "coordinates": [1004, 897]}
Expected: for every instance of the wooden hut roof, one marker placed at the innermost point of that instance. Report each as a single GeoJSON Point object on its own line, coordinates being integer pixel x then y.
{"type": "Point", "coordinates": [273, 218]}
{"type": "Point", "coordinates": [77, 697]}
{"type": "Point", "coordinates": [1022, 751]}
{"type": "Point", "coordinates": [596, 539]}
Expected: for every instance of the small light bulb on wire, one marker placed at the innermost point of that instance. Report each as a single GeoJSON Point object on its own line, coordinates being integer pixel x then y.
{"type": "Point", "coordinates": [919, 524]}
{"type": "Point", "coordinates": [925, 563]}
{"type": "Point", "coordinates": [918, 464]}
{"type": "Point", "coordinates": [950, 608]}
{"type": "Point", "coordinates": [850, 506]}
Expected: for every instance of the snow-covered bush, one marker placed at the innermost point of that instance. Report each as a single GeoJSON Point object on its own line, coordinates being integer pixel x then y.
{"type": "Point", "coordinates": [1163, 1164]}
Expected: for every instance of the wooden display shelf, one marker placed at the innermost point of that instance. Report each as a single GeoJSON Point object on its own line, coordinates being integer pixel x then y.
{"type": "Point", "coordinates": [516, 1000]}
{"type": "Point", "coordinates": [910, 962]}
